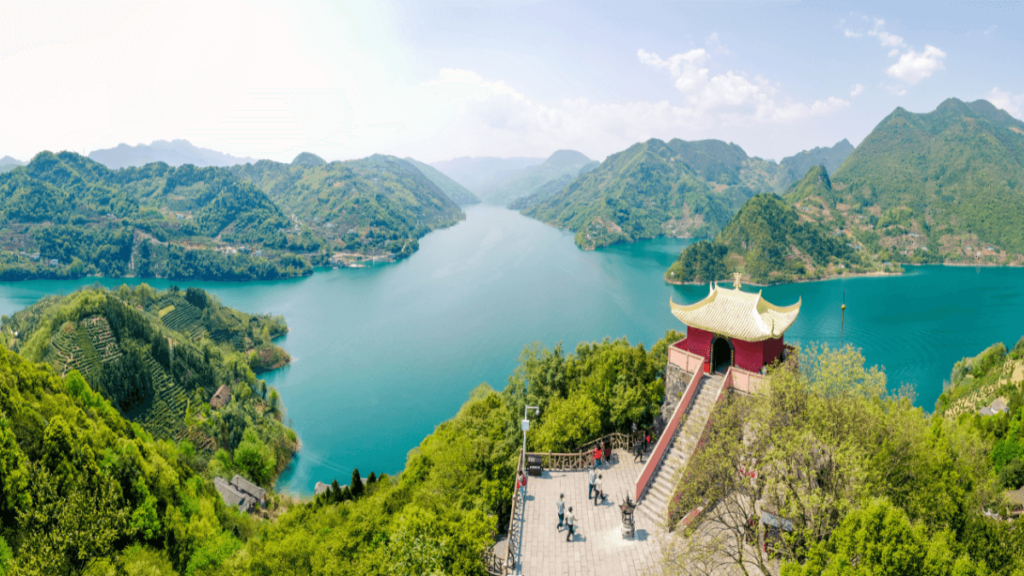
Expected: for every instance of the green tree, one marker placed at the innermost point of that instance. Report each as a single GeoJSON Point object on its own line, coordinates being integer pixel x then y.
{"type": "Point", "coordinates": [356, 485]}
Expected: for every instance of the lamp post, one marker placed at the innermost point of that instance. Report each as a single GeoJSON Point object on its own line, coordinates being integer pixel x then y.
{"type": "Point", "coordinates": [526, 427]}
{"type": "Point", "coordinates": [522, 467]}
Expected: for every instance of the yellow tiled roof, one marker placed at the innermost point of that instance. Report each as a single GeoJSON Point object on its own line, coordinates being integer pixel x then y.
{"type": "Point", "coordinates": [737, 314]}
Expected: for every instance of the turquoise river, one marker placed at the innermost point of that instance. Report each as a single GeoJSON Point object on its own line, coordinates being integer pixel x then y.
{"type": "Point", "coordinates": [382, 355]}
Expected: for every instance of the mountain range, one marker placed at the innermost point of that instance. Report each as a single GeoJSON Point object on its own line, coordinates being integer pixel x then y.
{"type": "Point", "coordinates": [173, 153]}
{"type": "Point", "coordinates": [537, 181]}
{"type": "Point", "coordinates": [7, 164]}
{"type": "Point", "coordinates": [476, 173]}
{"type": "Point", "coordinates": [945, 186]}
{"type": "Point", "coordinates": [65, 215]}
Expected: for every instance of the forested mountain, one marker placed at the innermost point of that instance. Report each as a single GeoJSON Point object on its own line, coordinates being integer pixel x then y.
{"type": "Point", "coordinates": [453, 189]}
{"type": "Point", "coordinates": [108, 445]}
{"type": "Point", "coordinates": [945, 186]}
{"type": "Point", "coordinates": [793, 168]}
{"type": "Point", "coordinates": [64, 215]}
{"type": "Point", "coordinates": [768, 242]}
{"type": "Point", "coordinates": [474, 173]}
{"type": "Point", "coordinates": [651, 189]}
{"type": "Point", "coordinates": [173, 153]}
{"type": "Point", "coordinates": [551, 187]}
{"type": "Point", "coordinates": [508, 185]}
{"type": "Point", "coordinates": [377, 206]}
{"type": "Point", "coordinates": [7, 164]}
{"type": "Point", "coordinates": [158, 358]}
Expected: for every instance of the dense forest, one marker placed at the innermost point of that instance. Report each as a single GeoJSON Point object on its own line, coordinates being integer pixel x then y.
{"type": "Point", "coordinates": [676, 188]}
{"type": "Point", "coordinates": [767, 242]}
{"type": "Point", "coordinates": [159, 357]}
{"type": "Point", "coordinates": [945, 186]}
{"type": "Point", "coordinates": [66, 216]}
{"type": "Point", "coordinates": [375, 207]}
{"type": "Point", "coordinates": [866, 483]}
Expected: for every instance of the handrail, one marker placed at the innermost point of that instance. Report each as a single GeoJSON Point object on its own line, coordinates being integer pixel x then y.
{"type": "Point", "coordinates": [510, 556]}
{"type": "Point", "coordinates": [669, 433]}
{"type": "Point", "coordinates": [584, 458]}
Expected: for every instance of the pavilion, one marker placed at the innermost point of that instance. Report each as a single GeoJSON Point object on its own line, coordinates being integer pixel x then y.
{"type": "Point", "coordinates": [734, 328]}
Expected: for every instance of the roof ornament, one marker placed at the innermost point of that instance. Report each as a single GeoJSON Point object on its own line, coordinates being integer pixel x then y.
{"type": "Point", "coordinates": [736, 280]}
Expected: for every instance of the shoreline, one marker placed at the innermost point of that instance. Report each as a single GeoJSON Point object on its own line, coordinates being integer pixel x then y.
{"type": "Point", "coordinates": [828, 278]}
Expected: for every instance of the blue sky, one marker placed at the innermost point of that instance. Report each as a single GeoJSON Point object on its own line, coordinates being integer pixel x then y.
{"type": "Point", "coordinates": [437, 80]}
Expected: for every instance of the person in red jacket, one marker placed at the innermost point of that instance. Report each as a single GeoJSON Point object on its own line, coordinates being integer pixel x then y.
{"type": "Point", "coordinates": [597, 455]}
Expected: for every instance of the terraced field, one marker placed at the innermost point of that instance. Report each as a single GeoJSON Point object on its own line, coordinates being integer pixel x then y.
{"type": "Point", "coordinates": [84, 347]}
{"type": "Point", "coordinates": [164, 417]}
{"type": "Point", "coordinates": [184, 318]}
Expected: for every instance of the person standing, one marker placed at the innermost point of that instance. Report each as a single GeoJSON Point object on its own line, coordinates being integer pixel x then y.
{"type": "Point", "coordinates": [560, 506]}
{"type": "Point", "coordinates": [638, 451]}
{"type": "Point", "coordinates": [522, 485]}
{"type": "Point", "coordinates": [597, 489]}
{"type": "Point", "coordinates": [597, 455]}
{"type": "Point", "coordinates": [570, 523]}
{"type": "Point", "coordinates": [591, 478]}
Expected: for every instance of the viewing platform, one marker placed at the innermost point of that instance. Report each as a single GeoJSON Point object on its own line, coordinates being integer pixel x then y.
{"type": "Point", "coordinates": [598, 546]}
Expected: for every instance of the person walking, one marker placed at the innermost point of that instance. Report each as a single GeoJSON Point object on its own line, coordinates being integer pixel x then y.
{"type": "Point", "coordinates": [591, 478]}
{"type": "Point", "coordinates": [560, 506]}
{"type": "Point", "coordinates": [597, 489]}
{"type": "Point", "coordinates": [570, 523]}
{"type": "Point", "coordinates": [638, 451]}
{"type": "Point", "coordinates": [522, 485]}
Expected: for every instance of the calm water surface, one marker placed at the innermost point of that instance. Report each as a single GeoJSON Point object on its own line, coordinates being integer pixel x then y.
{"type": "Point", "coordinates": [382, 355]}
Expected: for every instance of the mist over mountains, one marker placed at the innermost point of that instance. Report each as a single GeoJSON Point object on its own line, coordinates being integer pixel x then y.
{"type": "Point", "coordinates": [173, 153]}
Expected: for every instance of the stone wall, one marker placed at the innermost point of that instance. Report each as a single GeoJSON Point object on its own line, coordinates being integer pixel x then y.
{"type": "Point", "coordinates": [676, 380]}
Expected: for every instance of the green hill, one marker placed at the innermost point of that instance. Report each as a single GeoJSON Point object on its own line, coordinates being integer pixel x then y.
{"type": "Point", "coordinates": [509, 185]}
{"type": "Point", "coordinates": [158, 357]}
{"type": "Point", "coordinates": [375, 207]}
{"type": "Point", "coordinates": [769, 242]}
{"type": "Point", "coordinates": [652, 189]}
{"type": "Point", "coordinates": [945, 186]}
{"type": "Point", "coordinates": [793, 168]}
{"type": "Point", "coordinates": [63, 215]}
{"type": "Point", "coordinates": [457, 192]}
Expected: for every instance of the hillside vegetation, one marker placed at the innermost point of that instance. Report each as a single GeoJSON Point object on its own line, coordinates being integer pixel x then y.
{"type": "Point", "coordinates": [65, 216]}
{"type": "Point", "coordinates": [377, 207]}
{"type": "Point", "coordinates": [945, 186]}
{"type": "Point", "coordinates": [508, 185]}
{"type": "Point", "coordinates": [676, 188]}
{"type": "Point", "coordinates": [768, 242]}
{"type": "Point", "coordinates": [158, 358]}
{"type": "Point", "coordinates": [457, 192]}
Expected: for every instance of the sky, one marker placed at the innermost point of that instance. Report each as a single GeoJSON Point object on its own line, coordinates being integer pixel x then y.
{"type": "Point", "coordinates": [439, 80]}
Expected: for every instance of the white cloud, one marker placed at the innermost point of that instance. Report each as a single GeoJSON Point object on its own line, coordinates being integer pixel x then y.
{"type": "Point", "coordinates": [894, 52]}
{"type": "Point", "coordinates": [884, 37]}
{"type": "Point", "coordinates": [897, 90]}
{"type": "Point", "coordinates": [914, 67]}
{"type": "Point", "coordinates": [851, 34]}
{"type": "Point", "coordinates": [857, 90]}
{"type": "Point", "coordinates": [1014, 104]}
{"type": "Point", "coordinates": [734, 95]}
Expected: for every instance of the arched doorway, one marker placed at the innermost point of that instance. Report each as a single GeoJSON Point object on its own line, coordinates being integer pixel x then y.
{"type": "Point", "coordinates": [721, 354]}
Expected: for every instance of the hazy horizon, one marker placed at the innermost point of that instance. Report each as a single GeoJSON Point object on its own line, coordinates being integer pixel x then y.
{"type": "Point", "coordinates": [443, 80]}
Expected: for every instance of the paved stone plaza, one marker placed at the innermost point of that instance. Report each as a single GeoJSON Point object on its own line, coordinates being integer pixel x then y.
{"type": "Point", "coordinates": [598, 547]}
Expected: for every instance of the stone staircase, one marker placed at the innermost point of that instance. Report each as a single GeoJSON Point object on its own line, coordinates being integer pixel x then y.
{"type": "Point", "coordinates": [654, 504]}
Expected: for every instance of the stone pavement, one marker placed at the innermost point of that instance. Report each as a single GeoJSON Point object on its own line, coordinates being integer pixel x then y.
{"type": "Point", "coordinates": [598, 547]}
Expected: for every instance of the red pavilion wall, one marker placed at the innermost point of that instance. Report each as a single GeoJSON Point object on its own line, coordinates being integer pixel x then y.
{"type": "Point", "coordinates": [699, 341]}
{"type": "Point", "coordinates": [773, 349]}
{"type": "Point", "coordinates": [749, 355]}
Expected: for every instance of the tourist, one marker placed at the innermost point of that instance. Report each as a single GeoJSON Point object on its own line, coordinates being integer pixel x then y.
{"type": "Point", "coordinates": [597, 455]}
{"type": "Point", "coordinates": [647, 441]}
{"type": "Point", "coordinates": [638, 451]}
{"type": "Point", "coordinates": [597, 490]}
{"type": "Point", "coordinates": [570, 523]}
{"type": "Point", "coordinates": [591, 478]}
{"type": "Point", "coordinates": [560, 506]}
{"type": "Point", "coordinates": [521, 485]}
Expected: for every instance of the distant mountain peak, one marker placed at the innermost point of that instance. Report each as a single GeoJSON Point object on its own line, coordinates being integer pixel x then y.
{"type": "Point", "coordinates": [173, 153]}
{"type": "Point", "coordinates": [9, 160]}
{"type": "Point", "coordinates": [566, 158]}
{"type": "Point", "coordinates": [308, 159]}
